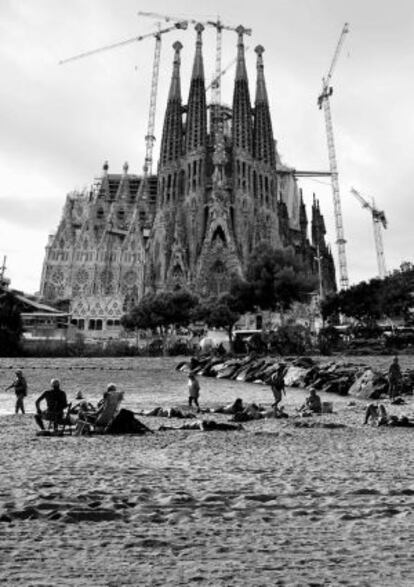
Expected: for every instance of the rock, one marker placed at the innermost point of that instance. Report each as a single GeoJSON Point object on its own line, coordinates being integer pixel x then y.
{"type": "Point", "coordinates": [369, 385]}
{"type": "Point", "coordinates": [295, 376]}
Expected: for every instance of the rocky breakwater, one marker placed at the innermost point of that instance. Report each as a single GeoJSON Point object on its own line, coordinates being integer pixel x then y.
{"type": "Point", "coordinates": [359, 380]}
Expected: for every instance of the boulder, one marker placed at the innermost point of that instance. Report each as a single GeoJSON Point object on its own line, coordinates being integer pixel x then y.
{"type": "Point", "coordinates": [295, 376]}
{"type": "Point", "coordinates": [368, 385]}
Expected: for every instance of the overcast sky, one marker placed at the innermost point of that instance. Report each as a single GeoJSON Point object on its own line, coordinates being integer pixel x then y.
{"type": "Point", "coordinates": [59, 123]}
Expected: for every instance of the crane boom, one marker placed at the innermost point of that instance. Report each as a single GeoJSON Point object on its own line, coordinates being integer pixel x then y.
{"type": "Point", "coordinates": [215, 86]}
{"type": "Point", "coordinates": [378, 219]}
{"type": "Point", "coordinates": [345, 30]}
{"type": "Point", "coordinates": [323, 102]}
{"type": "Point", "coordinates": [178, 25]}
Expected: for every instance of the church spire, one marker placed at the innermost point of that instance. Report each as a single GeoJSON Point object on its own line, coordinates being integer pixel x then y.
{"type": "Point", "coordinates": [242, 118]}
{"type": "Point", "coordinates": [263, 141]}
{"type": "Point", "coordinates": [196, 127]}
{"type": "Point", "coordinates": [171, 142]}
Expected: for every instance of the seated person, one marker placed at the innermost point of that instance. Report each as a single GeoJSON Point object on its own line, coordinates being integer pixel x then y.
{"type": "Point", "coordinates": [56, 402]}
{"type": "Point", "coordinates": [80, 408]}
{"type": "Point", "coordinates": [313, 404]}
{"type": "Point", "coordinates": [375, 415]}
{"type": "Point", "coordinates": [108, 408]}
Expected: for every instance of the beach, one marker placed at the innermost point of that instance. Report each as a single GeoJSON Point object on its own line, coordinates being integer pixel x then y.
{"type": "Point", "coordinates": [315, 501]}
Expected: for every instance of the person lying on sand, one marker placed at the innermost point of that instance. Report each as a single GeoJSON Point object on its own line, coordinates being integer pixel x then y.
{"type": "Point", "coordinates": [161, 412]}
{"type": "Point", "coordinates": [312, 405]}
{"type": "Point", "coordinates": [56, 402]}
{"type": "Point", "coordinates": [235, 408]}
{"type": "Point", "coordinates": [376, 415]}
{"type": "Point", "coordinates": [204, 426]}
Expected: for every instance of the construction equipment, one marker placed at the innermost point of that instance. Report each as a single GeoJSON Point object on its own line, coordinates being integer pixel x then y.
{"type": "Point", "coordinates": [323, 102]}
{"type": "Point", "coordinates": [149, 137]}
{"type": "Point", "coordinates": [219, 26]}
{"type": "Point", "coordinates": [379, 220]}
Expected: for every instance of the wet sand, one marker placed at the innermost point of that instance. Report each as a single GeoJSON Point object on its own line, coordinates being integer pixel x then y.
{"type": "Point", "coordinates": [275, 504]}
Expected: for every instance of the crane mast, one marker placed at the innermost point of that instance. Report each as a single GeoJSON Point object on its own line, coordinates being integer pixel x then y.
{"type": "Point", "coordinates": [323, 102]}
{"type": "Point", "coordinates": [379, 221]}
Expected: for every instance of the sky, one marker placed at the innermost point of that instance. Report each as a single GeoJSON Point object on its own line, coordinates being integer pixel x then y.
{"type": "Point", "coordinates": [59, 123]}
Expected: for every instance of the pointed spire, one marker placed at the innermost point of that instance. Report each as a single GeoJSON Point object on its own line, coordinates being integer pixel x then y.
{"type": "Point", "coordinates": [242, 110]}
{"type": "Point", "coordinates": [198, 67]}
{"type": "Point", "coordinates": [241, 71]}
{"type": "Point", "coordinates": [261, 92]}
{"type": "Point", "coordinates": [196, 128]}
{"type": "Point", "coordinates": [263, 141]}
{"type": "Point", "coordinates": [175, 87]}
{"type": "Point", "coordinates": [172, 133]}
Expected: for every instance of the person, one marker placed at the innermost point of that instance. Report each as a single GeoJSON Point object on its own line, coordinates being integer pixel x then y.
{"type": "Point", "coordinates": [394, 378]}
{"type": "Point", "coordinates": [20, 389]}
{"type": "Point", "coordinates": [56, 402]}
{"type": "Point", "coordinates": [313, 404]}
{"type": "Point", "coordinates": [81, 407]}
{"type": "Point", "coordinates": [193, 391]}
{"type": "Point", "coordinates": [277, 385]}
{"type": "Point", "coordinates": [100, 419]}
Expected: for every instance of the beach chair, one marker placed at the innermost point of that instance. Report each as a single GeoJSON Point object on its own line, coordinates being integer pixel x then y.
{"type": "Point", "coordinates": [100, 421]}
{"type": "Point", "coordinates": [58, 424]}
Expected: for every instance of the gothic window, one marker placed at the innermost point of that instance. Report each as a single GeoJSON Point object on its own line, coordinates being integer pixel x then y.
{"type": "Point", "coordinates": [218, 279]}
{"type": "Point", "coordinates": [130, 278]}
{"type": "Point", "coordinates": [219, 234]}
{"type": "Point", "coordinates": [58, 277]}
{"type": "Point", "coordinates": [121, 214]}
{"type": "Point", "coordinates": [82, 277]}
{"type": "Point", "coordinates": [61, 243]}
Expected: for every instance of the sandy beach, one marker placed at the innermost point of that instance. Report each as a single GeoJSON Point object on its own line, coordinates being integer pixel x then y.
{"type": "Point", "coordinates": [283, 502]}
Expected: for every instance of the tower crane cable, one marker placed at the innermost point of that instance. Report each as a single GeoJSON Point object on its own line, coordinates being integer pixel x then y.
{"type": "Point", "coordinates": [219, 26]}
{"type": "Point", "coordinates": [150, 136]}
{"type": "Point", "coordinates": [379, 221]}
{"type": "Point", "coordinates": [323, 102]}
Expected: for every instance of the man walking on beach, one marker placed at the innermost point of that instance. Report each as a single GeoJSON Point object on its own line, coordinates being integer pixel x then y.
{"type": "Point", "coordinates": [193, 391]}
{"type": "Point", "coordinates": [394, 378]}
{"type": "Point", "coordinates": [56, 402]}
{"type": "Point", "coordinates": [20, 389]}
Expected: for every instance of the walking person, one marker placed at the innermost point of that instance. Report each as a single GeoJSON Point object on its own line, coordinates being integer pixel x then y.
{"type": "Point", "coordinates": [193, 391]}
{"type": "Point", "coordinates": [394, 378]}
{"type": "Point", "coordinates": [20, 389]}
{"type": "Point", "coordinates": [277, 385]}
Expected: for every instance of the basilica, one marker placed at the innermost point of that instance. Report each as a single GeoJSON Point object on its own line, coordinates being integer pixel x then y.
{"type": "Point", "coordinates": [220, 190]}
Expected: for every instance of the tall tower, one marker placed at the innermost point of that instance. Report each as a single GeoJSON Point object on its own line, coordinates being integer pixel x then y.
{"type": "Point", "coordinates": [242, 205]}
{"type": "Point", "coordinates": [169, 178]}
{"type": "Point", "coordinates": [195, 151]}
{"type": "Point", "coordinates": [264, 153]}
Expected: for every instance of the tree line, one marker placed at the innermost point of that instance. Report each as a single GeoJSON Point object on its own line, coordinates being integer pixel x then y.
{"type": "Point", "coordinates": [274, 281]}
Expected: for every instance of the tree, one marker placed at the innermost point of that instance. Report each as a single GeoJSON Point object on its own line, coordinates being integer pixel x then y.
{"type": "Point", "coordinates": [369, 301]}
{"type": "Point", "coordinates": [277, 279]}
{"type": "Point", "coordinates": [219, 312]}
{"type": "Point", "coordinates": [11, 327]}
{"type": "Point", "coordinates": [160, 312]}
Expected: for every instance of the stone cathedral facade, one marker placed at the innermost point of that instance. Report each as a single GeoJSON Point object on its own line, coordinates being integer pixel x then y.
{"type": "Point", "coordinates": [219, 191]}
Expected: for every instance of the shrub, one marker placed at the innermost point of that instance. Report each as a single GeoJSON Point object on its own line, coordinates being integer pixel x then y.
{"type": "Point", "coordinates": [291, 339]}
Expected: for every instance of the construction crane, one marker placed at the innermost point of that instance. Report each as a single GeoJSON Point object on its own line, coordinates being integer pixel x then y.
{"type": "Point", "coordinates": [323, 102]}
{"type": "Point", "coordinates": [219, 26]}
{"type": "Point", "coordinates": [149, 137]}
{"type": "Point", "coordinates": [379, 220]}
{"type": "Point", "coordinates": [217, 80]}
